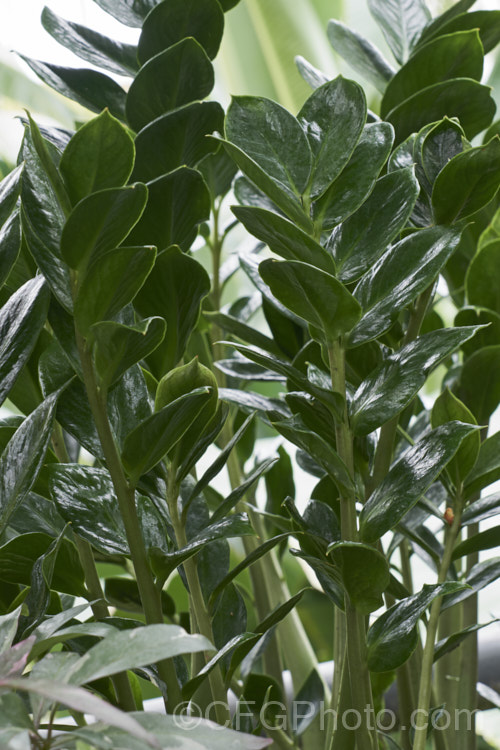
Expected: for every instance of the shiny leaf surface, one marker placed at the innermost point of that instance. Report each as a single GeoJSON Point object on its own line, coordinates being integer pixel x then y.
{"type": "Point", "coordinates": [409, 479]}
{"type": "Point", "coordinates": [169, 23]}
{"type": "Point", "coordinates": [91, 89]}
{"type": "Point", "coordinates": [393, 637]}
{"type": "Point", "coordinates": [100, 222]}
{"type": "Point", "coordinates": [148, 443]}
{"type": "Point", "coordinates": [99, 156]}
{"type": "Point", "coordinates": [313, 295]}
{"type": "Point", "coordinates": [174, 77]}
{"type": "Point", "coordinates": [111, 283]}
{"type": "Point", "coordinates": [333, 119]}
{"type": "Point", "coordinates": [389, 285]}
{"type": "Point", "coordinates": [362, 238]}
{"type": "Point", "coordinates": [386, 391]}
{"type": "Point", "coordinates": [177, 138]}
{"type": "Point", "coordinates": [453, 56]}
{"type": "Point", "coordinates": [468, 182]}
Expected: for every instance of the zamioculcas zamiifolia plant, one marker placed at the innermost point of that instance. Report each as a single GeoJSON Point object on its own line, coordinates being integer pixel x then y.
{"type": "Point", "coordinates": [140, 385]}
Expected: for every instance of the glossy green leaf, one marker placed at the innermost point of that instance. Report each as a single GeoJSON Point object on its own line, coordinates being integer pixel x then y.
{"type": "Point", "coordinates": [175, 291]}
{"type": "Point", "coordinates": [362, 238]}
{"type": "Point", "coordinates": [240, 491]}
{"type": "Point", "coordinates": [117, 347]}
{"type": "Point", "coordinates": [53, 268]}
{"type": "Point", "coordinates": [21, 320]}
{"type": "Point", "coordinates": [86, 499]}
{"type": "Point", "coordinates": [100, 223]}
{"type": "Point", "coordinates": [479, 576]}
{"type": "Point", "coordinates": [487, 336]}
{"type": "Point", "coordinates": [486, 21]}
{"type": "Point", "coordinates": [148, 443]}
{"type": "Point", "coordinates": [19, 555]}
{"type": "Point", "coordinates": [467, 183]}
{"type": "Point", "coordinates": [333, 118]}
{"type": "Point", "coordinates": [23, 457]}
{"type": "Point", "coordinates": [358, 177]}
{"type": "Point", "coordinates": [237, 367]}
{"type": "Point", "coordinates": [409, 478]}
{"type": "Point", "coordinates": [467, 100]}
{"type": "Point", "coordinates": [10, 242]}
{"type": "Point", "coordinates": [483, 277]}
{"type": "Point", "coordinates": [492, 231]}
{"type": "Point", "coordinates": [111, 283]}
{"type": "Point", "coordinates": [390, 285]}
{"type": "Point", "coordinates": [451, 642]}
{"type": "Point", "coordinates": [129, 12]}
{"type": "Point", "coordinates": [402, 22]}
{"type": "Point", "coordinates": [90, 45]}
{"type": "Point", "coordinates": [82, 700]}
{"type": "Point", "coordinates": [38, 598]}
{"type": "Point", "coordinates": [312, 294]}
{"type": "Point", "coordinates": [364, 571]}
{"type": "Point", "coordinates": [177, 203]}
{"type": "Point", "coordinates": [174, 77]}
{"type": "Point", "coordinates": [91, 89]}
{"type": "Point", "coordinates": [392, 385]}
{"type": "Point", "coordinates": [179, 382]}
{"type": "Point", "coordinates": [360, 53]}
{"type": "Point", "coordinates": [295, 431]}
{"type": "Point", "coordinates": [9, 191]}
{"type": "Point", "coordinates": [277, 191]}
{"type": "Point", "coordinates": [235, 525]}
{"type": "Point", "coordinates": [135, 648]}
{"type": "Point", "coordinates": [221, 460]}
{"type": "Point", "coordinates": [480, 510]}
{"type": "Point", "coordinates": [487, 467]}
{"type": "Point", "coordinates": [446, 408]}
{"type": "Point", "coordinates": [442, 143]}
{"type": "Point", "coordinates": [295, 376]}
{"type": "Point", "coordinates": [452, 56]}
{"type": "Point", "coordinates": [243, 331]}
{"type": "Point", "coordinates": [434, 27]}
{"type": "Point", "coordinates": [177, 138]}
{"type": "Point", "coordinates": [100, 155]}
{"type": "Point", "coordinates": [483, 401]}
{"type": "Point", "coordinates": [218, 171]}
{"type": "Point", "coordinates": [488, 539]}
{"type": "Point", "coordinates": [273, 138]}
{"type": "Point", "coordinates": [283, 237]}
{"type": "Point", "coordinates": [39, 201]}
{"type": "Point", "coordinates": [249, 401]}
{"type": "Point", "coordinates": [260, 551]}
{"type": "Point", "coordinates": [394, 636]}
{"type": "Point", "coordinates": [189, 688]}
{"type": "Point", "coordinates": [169, 23]}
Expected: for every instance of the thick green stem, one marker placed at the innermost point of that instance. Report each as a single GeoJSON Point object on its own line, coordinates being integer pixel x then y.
{"type": "Point", "coordinates": [219, 692]}
{"type": "Point", "coordinates": [467, 688]}
{"type": "Point", "coordinates": [361, 692]}
{"type": "Point", "coordinates": [385, 446]}
{"type": "Point", "coordinates": [150, 596]}
{"type": "Point", "coordinates": [425, 689]}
